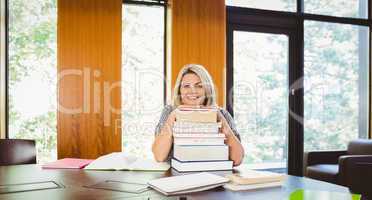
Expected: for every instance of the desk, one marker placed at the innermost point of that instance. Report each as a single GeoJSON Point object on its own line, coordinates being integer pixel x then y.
{"type": "Point", "coordinates": [74, 180]}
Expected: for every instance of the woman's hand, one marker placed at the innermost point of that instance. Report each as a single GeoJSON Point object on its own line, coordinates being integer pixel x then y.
{"type": "Point", "coordinates": [236, 151]}
{"type": "Point", "coordinates": [169, 123]}
{"type": "Point", "coordinates": [164, 140]}
{"type": "Point", "coordinates": [225, 128]}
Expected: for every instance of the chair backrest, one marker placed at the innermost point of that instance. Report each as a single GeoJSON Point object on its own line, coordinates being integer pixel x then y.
{"type": "Point", "coordinates": [16, 152]}
{"type": "Point", "coordinates": [360, 147]}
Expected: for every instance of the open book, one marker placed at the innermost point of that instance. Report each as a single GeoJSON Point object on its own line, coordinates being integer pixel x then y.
{"type": "Point", "coordinates": [124, 161]}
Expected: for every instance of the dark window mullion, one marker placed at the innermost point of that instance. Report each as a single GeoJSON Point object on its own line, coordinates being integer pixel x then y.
{"type": "Point", "coordinates": [332, 19]}
{"type": "Point", "coordinates": [149, 3]}
{"type": "Point", "coordinates": [363, 80]}
{"type": "Point", "coordinates": [369, 10]}
{"type": "Point", "coordinates": [300, 6]}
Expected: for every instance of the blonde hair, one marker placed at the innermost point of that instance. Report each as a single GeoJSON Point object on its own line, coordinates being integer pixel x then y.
{"type": "Point", "coordinates": [206, 81]}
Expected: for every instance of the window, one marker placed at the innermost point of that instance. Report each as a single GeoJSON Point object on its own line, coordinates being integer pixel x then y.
{"type": "Point", "coordinates": [261, 97]}
{"type": "Point", "coordinates": [336, 84]}
{"type": "Point", "coordinates": [281, 5]}
{"type": "Point", "coordinates": [143, 76]}
{"type": "Point", "coordinates": [338, 8]}
{"type": "Point", "coordinates": [32, 74]}
{"type": "Point", "coordinates": [326, 102]}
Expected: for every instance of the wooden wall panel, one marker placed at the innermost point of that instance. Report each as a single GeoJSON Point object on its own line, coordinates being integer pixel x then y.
{"type": "Point", "coordinates": [199, 36]}
{"type": "Point", "coordinates": [89, 68]}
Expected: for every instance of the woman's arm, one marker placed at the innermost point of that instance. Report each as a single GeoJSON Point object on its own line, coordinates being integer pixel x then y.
{"type": "Point", "coordinates": [236, 150]}
{"type": "Point", "coordinates": [164, 139]}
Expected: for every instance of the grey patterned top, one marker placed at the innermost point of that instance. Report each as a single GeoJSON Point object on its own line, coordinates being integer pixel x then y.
{"type": "Point", "coordinates": [168, 109]}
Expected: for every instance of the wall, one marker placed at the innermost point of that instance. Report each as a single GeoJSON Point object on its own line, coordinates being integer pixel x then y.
{"type": "Point", "coordinates": [89, 67]}
{"type": "Point", "coordinates": [198, 34]}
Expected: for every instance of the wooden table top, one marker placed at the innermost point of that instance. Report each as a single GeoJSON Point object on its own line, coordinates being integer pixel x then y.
{"type": "Point", "coordinates": [74, 181]}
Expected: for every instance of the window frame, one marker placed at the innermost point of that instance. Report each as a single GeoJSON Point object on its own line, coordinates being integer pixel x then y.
{"type": "Point", "coordinates": [4, 74]}
{"type": "Point", "coordinates": [269, 18]}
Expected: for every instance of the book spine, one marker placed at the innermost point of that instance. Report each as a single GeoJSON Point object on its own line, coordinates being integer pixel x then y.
{"type": "Point", "coordinates": [197, 125]}
{"type": "Point", "coordinates": [199, 141]}
{"type": "Point", "coordinates": [199, 135]}
{"type": "Point", "coordinates": [195, 130]}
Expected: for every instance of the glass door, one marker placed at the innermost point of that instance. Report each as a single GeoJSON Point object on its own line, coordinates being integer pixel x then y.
{"type": "Point", "coordinates": [260, 98]}
{"type": "Point", "coordinates": [265, 92]}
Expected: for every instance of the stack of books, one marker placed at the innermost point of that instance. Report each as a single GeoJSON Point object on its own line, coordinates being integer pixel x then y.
{"type": "Point", "coordinates": [198, 145]}
{"type": "Point", "coordinates": [252, 179]}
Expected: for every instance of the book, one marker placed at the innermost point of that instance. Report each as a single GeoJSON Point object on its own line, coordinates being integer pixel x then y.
{"type": "Point", "coordinates": [67, 163]}
{"type": "Point", "coordinates": [199, 135]}
{"type": "Point", "coordinates": [195, 130]}
{"type": "Point", "coordinates": [193, 166]}
{"type": "Point", "coordinates": [201, 153]}
{"type": "Point", "coordinates": [196, 108]}
{"type": "Point", "coordinates": [185, 184]}
{"type": "Point", "coordinates": [182, 124]}
{"type": "Point", "coordinates": [302, 194]}
{"type": "Point", "coordinates": [196, 127]}
{"type": "Point", "coordinates": [123, 161]}
{"type": "Point", "coordinates": [199, 140]}
{"type": "Point", "coordinates": [247, 177]}
{"type": "Point", "coordinates": [196, 115]}
{"type": "Point", "coordinates": [236, 187]}
{"type": "Point", "coordinates": [222, 173]}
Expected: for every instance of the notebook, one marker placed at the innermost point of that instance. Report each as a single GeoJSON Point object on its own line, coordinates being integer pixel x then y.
{"type": "Point", "coordinates": [67, 163]}
{"type": "Point", "coordinates": [187, 183]}
{"type": "Point", "coordinates": [124, 161]}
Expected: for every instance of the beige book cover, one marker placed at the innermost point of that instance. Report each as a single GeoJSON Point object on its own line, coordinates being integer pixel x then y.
{"type": "Point", "coordinates": [208, 116]}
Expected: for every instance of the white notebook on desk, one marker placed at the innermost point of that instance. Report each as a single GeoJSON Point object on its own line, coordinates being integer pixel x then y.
{"type": "Point", "coordinates": [123, 161]}
{"type": "Point", "coordinates": [187, 183]}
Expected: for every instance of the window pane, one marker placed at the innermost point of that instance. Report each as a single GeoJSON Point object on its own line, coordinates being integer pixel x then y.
{"type": "Point", "coordinates": [32, 74]}
{"type": "Point", "coordinates": [279, 5]}
{"type": "Point", "coordinates": [336, 85]}
{"type": "Point", "coordinates": [143, 76]}
{"type": "Point", "coordinates": [338, 8]}
{"type": "Point", "coordinates": [261, 97]}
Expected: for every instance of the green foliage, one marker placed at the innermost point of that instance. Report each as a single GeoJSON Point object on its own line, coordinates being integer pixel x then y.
{"type": "Point", "coordinates": [32, 51]}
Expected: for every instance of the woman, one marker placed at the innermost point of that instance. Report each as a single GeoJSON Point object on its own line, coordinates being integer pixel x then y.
{"type": "Point", "coordinates": [194, 87]}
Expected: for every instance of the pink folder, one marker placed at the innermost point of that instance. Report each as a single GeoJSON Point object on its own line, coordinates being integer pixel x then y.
{"type": "Point", "coordinates": [67, 163]}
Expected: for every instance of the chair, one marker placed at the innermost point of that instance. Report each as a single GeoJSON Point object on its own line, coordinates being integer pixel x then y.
{"type": "Point", "coordinates": [351, 168]}
{"type": "Point", "coordinates": [16, 152]}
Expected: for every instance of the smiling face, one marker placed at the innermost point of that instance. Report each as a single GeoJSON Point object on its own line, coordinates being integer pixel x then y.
{"type": "Point", "coordinates": [192, 90]}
